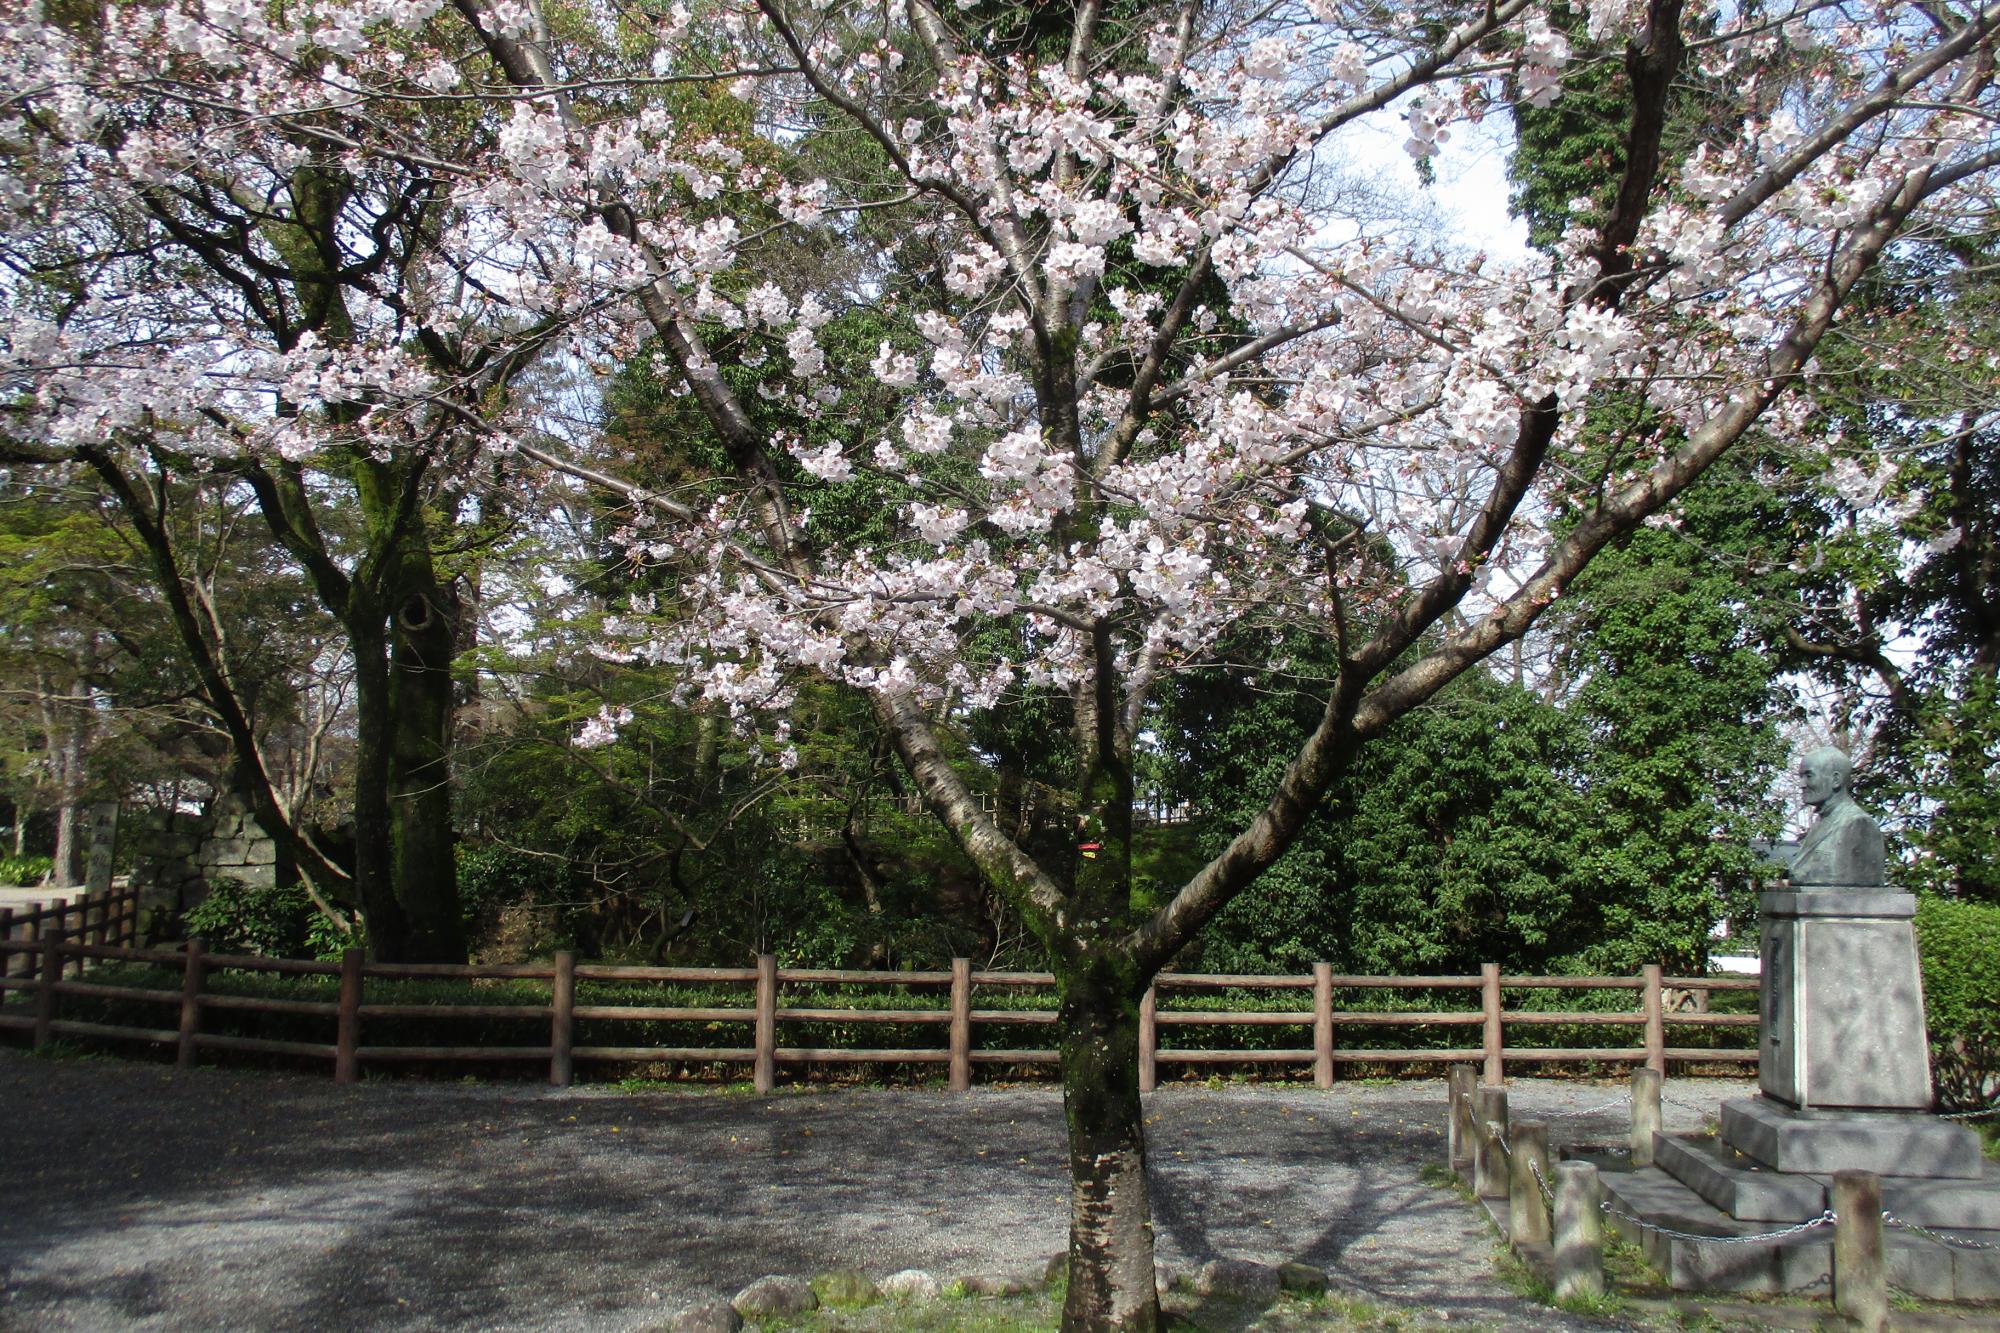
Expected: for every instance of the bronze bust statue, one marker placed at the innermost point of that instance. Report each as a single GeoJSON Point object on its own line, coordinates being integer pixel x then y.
{"type": "Point", "coordinates": [1844, 845]}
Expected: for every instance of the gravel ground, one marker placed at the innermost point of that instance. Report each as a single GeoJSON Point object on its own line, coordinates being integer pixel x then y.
{"type": "Point", "coordinates": [134, 1196]}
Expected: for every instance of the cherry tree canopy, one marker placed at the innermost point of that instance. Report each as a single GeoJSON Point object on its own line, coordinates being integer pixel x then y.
{"type": "Point", "coordinates": [1147, 387]}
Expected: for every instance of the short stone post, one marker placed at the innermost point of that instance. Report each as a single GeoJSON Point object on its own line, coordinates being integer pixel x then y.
{"type": "Point", "coordinates": [1860, 1274]}
{"type": "Point", "coordinates": [562, 1021]}
{"type": "Point", "coordinates": [1459, 1129]}
{"type": "Point", "coordinates": [347, 1019]}
{"type": "Point", "coordinates": [1489, 1164]}
{"type": "Point", "coordinates": [1527, 1168]}
{"type": "Point", "coordinates": [766, 1069]}
{"type": "Point", "coordinates": [1645, 1114]}
{"type": "Point", "coordinates": [1579, 1238]}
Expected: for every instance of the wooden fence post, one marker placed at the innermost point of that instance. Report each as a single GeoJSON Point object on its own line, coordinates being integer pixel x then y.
{"type": "Point", "coordinates": [347, 1019]}
{"type": "Point", "coordinates": [1149, 1040]}
{"type": "Point", "coordinates": [1459, 1131]}
{"type": "Point", "coordinates": [46, 978]}
{"type": "Point", "coordinates": [766, 1069]}
{"type": "Point", "coordinates": [1579, 1241]}
{"type": "Point", "coordinates": [60, 920]}
{"type": "Point", "coordinates": [961, 1025]}
{"type": "Point", "coordinates": [1527, 1168]}
{"type": "Point", "coordinates": [1646, 1120]}
{"type": "Point", "coordinates": [1860, 1277]}
{"type": "Point", "coordinates": [7, 936]}
{"type": "Point", "coordinates": [1489, 1144]}
{"type": "Point", "coordinates": [562, 1021]}
{"type": "Point", "coordinates": [1489, 991]}
{"type": "Point", "coordinates": [191, 979]}
{"type": "Point", "coordinates": [1323, 1025]}
{"type": "Point", "coordinates": [1654, 1000]}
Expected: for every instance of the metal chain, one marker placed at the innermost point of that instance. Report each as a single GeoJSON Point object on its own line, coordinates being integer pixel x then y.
{"type": "Point", "coordinates": [1938, 1236]}
{"type": "Point", "coordinates": [1824, 1219]}
{"type": "Point", "coordinates": [1599, 1109]}
{"type": "Point", "coordinates": [1548, 1195]}
{"type": "Point", "coordinates": [1687, 1106]}
{"type": "Point", "coordinates": [1499, 1131]}
{"type": "Point", "coordinates": [1970, 1115]}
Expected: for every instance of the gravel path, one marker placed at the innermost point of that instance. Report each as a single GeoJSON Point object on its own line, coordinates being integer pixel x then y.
{"type": "Point", "coordinates": [134, 1196]}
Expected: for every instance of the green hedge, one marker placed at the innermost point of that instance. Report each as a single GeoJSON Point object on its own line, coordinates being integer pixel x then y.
{"type": "Point", "coordinates": [1959, 945]}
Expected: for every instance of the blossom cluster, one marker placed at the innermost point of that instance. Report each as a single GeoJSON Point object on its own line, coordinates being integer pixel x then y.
{"type": "Point", "coordinates": [1138, 377]}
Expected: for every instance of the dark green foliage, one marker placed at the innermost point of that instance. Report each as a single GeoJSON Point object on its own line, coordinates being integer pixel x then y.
{"type": "Point", "coordinates": [27, 870]}
{"type": "Point", "coordinates": [1681, 711]}
{"type": "Point", "coordinates": [1574, 148]}
{"type": "Point", "coordinates": [1959, 943]}
{"type": "Point", "coordinates": [276, 922]}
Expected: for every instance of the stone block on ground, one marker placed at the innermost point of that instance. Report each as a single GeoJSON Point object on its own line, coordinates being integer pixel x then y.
{"type": "Point", "coordinates": [775, 1295]}
{"type": "Point", "coordinates": [1056, 1269]}
{"type": "Point", "coordinates": [994, 1284]}
{"type": "Point", "coordinates": [1888, 1145]}
{"type": "Point", "coordinates": [845, 1288]}
{"type": "Point", "coordinates": [910, 1284]}
{"type": "Point", "coordinates": [1238, 1279]}
{"type": "Point", "coordinates": [1302, 1279]}
{"type": "Point", "coordinates": [719, 1317]}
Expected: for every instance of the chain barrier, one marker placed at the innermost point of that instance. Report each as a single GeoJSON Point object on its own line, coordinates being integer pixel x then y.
{"type": "Point", "coordinates": [1499, 1131]}
{"type": "Point", "coordinates": [1955, 1242]}
{"type": "Point", "coordinates": [1688, 1106]}
{"type": "Point", "coordinates": [1980, 1114]}
{"type": "Point", "coordinates": [1548, 1195]}
{"type": "Point", "coordinates": [1824, 1219]}
{"type": "Point", "coordinates": [1598, 1109]}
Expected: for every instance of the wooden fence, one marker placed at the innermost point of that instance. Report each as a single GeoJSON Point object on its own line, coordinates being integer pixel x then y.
{"type": "Point", "coordinates": [105, 919]}
{"type": "Point", "coordinates": [54, 964]}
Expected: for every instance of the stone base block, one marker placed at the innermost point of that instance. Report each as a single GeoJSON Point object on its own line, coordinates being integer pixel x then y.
{"type": "Point", "coordinates": [1707, 1256]}
{"type": "Point", "coordinates": [1843, 1001]}
{"type": "Point", "coordinates": [1820, 1144]}
{"type": "Point", "coordinates": [1748, 1192]}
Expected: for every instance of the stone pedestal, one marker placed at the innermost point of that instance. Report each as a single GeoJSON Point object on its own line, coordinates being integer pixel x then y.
{"type": "Point", "coordinates": [1845, 1077]}
{"type": "Point", "coordinates": [1843, 1002]}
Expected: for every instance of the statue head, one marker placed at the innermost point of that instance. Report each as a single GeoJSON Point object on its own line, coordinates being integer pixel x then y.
{"type": "Point", "coordinates": [1823, 773]}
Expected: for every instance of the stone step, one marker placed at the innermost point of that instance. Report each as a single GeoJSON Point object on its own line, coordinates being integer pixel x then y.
{"type": "Point", "coordinates": [1711, 1257]}
{"type": "Point", "coordinates": [1910, 1143]}
{"type": "Point", "coordinates": [1751, 1192]}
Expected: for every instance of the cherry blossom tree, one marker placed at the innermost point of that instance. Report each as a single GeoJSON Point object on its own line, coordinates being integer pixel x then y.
{"type": "Point", "coordinates": [1147, 388]}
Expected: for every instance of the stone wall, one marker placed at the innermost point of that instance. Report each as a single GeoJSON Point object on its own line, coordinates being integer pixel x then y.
{"type": "Point", "coordinates": [175, 861]}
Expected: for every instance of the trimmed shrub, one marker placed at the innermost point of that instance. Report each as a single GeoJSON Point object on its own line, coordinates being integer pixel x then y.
{"type": "Point", "coordinates": [1959, 944]}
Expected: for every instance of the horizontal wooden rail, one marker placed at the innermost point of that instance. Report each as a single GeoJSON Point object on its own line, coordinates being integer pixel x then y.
{"type": "Point", "coordinates": [40, 960]}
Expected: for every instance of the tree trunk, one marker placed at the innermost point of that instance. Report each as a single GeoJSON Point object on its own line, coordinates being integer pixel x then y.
{"type": "Point", "coordinates": [65, 736]}
{"type": "Point", "coordinates": [424, 869]}
{"type": "Point", "coordinates": [66, 866]}
{"type": "Point", "coordinates": [1111, 1283]}
{"type": "Point", "coordinates": [374, 731]}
